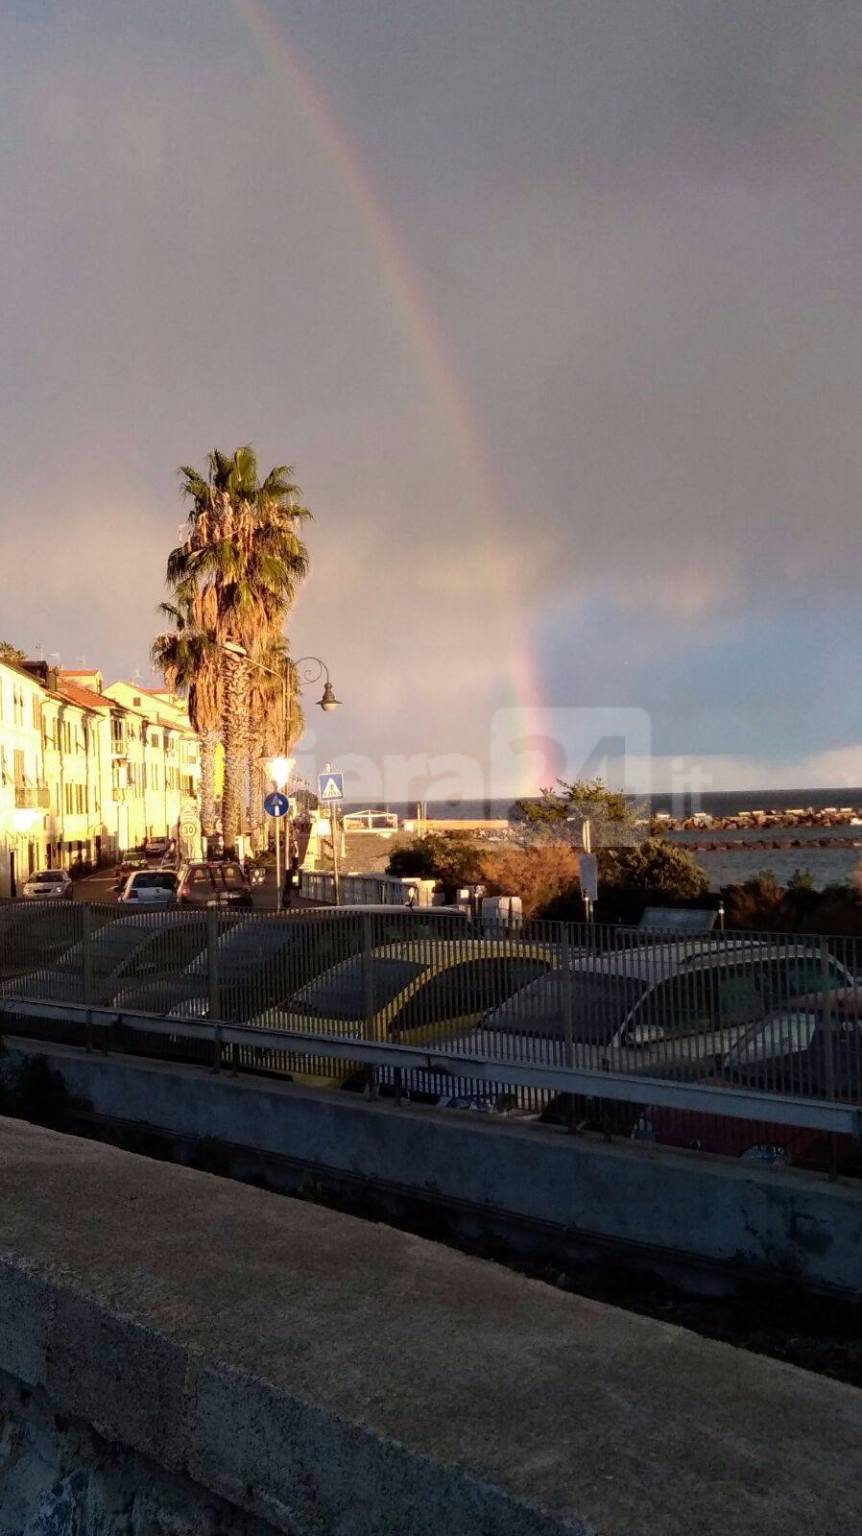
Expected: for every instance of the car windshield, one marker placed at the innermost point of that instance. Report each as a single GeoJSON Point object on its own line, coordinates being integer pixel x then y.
{"type": "Point", "coordinates": [341, 993]}
{"type": "Point", "coordinates": [47, 877]}
{"type": "Point", "coordinates": [599, 1004]}
{"type": "Point", "coordinates": [159, 879]}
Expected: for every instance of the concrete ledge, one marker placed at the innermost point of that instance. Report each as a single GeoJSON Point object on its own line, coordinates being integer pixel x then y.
{"type": "Point", "coordinates": [765, 1223]}
{"type": "Point", "coordinates": [327, 1375]}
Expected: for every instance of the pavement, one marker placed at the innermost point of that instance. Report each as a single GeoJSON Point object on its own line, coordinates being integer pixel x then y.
{"type": "Point", "coordinates": [330, 1374]}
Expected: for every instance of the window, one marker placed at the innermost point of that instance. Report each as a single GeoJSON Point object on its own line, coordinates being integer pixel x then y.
{"type": "Point", "coordinates": [18, 768]}
{"type": "Point", "coordinates": [472, 987]}
{"type": "Point", "coordinates": [75, 799]}
{"type": "Point", "coordinates": [684, 1005]}
{"type": "Point", "coordinates": [18, 702]}
{"type": "Point", "coordinates": [340, 994]}
{"type": "Point", "coordinates": [154, 776]}
{"type": "Point", "coordinates": [118, 734]}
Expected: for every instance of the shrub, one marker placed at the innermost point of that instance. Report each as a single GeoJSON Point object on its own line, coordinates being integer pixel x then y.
{"type": "Point", "coordinates": [545, 877]}
{"type": "Point", "coordinates": [656, 866]}
{"type": "Point", "coordinates": [453, 858]}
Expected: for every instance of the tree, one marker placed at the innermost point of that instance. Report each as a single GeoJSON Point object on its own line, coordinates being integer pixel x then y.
{"type": "Point", "coordinates": [191, 665]}
{"type": "Point", "coordinates": [559, 814]}
{"type": "Point", "coordinates": [272, 732]}
{"type": "Point", "coordinates": [453, 858]}
{"type": "Point", "coordinates": [656, 866]}
{"type": "Point", "coordinates": [11, 653]}
{"type": "Point", "coordinates": [545, 877]}
{"type": "Point", "coordinates": [236, 575]}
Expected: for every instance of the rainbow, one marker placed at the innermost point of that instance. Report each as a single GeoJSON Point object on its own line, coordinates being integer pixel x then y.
{"type": "Point", "coordinates": [418, 321]}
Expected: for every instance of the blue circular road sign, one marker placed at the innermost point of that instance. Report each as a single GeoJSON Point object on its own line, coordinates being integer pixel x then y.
{"type": "Point", "coordinates": [276, 804]}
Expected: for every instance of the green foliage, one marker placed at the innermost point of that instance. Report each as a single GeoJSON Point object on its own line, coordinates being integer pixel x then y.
{"type": "Point", "coordinates": [761, 903]}
{"type": "Point", "coordinates": [656, 866]}
{"type": "Point", "coordinates": [453, 858]}
{"type": "Point", "coordinates": [11, 653]}
{"type": "Point", "coordinates": [559, 814]}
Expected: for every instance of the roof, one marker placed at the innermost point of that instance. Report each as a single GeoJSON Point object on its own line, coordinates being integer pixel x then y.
{"type": "Point", "coordinates": [85, 697]}
{"type": "Point", "coordinates": [21, 671]}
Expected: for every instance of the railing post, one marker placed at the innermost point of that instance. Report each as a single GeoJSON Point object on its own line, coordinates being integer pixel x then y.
{"type": "Point", "coordinates": [828, 1033]}
{"type": "Point", "coordinates": [368, 996]}
{"type": "Point", "coordinates": [568, 1021]}
{"type": "Point", "coordinates": [212, 982]}
{"type": "Point", "coordinates": [87, 966]}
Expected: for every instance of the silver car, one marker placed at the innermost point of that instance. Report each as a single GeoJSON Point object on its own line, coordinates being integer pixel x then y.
{"type": "Point", "coordinates": [150, 888]}
{"type": "Point", "coordinates": [48, 885]}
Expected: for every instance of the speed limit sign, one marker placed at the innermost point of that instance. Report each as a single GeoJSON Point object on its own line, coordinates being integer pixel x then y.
{"type": "Point", "coordinates": [189, 828]}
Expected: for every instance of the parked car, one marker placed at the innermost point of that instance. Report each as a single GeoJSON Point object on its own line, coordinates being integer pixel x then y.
{"type": "Point", "coordinates": [156, 847]}
{"type": "Point", "coordinates": [150, 887]}
{"type": "Point", "coordinates": [210, 884]}
{"type": "Point", "coordinates": [655, 1010]}
{"type": "Point", "coordinates": [800, 1050]}
{"type": "Point", "coordinates": [128, 863]}
{"type": "Point", "coordinates": [48, 885]}
{"type": "Point", "coordinates": [406, 993]}
{"type": "Point", "coordinates": [262, 960]}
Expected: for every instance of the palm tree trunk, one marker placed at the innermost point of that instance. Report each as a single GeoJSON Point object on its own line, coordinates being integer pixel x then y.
{"type": "Point", "coordinates": [235, 753]}
{"type": "Point", "coordinates": [209, 742]}
{"type": "Point", "coordinates": [257, 815]}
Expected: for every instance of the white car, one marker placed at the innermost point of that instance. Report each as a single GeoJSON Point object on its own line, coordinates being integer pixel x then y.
{"type": "Point", "coordinates": [48, 885]}
{"type": "Point", "coordinates": [150, 888]}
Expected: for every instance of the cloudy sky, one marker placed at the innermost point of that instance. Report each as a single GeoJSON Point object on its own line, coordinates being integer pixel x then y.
{"type": "Point", "coordinates": [555, 307]}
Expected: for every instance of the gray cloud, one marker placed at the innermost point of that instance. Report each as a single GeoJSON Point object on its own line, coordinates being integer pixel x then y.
{"type": "Point", "coordinates": [637, 227]}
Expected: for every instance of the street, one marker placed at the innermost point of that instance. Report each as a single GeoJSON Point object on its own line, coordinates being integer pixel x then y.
{"type": "Point", "coordinates": [98, 888]}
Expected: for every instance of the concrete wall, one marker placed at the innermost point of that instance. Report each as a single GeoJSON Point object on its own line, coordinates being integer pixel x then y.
{"type": "Point", "coordinates": [648, 1202]}
{"type": "Point", "coordinates": [170, 1337]}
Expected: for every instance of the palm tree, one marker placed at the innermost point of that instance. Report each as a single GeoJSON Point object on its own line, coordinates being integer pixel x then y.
{"type": "Point", "coordinates": [190, 662]}
{"type": "Point", "coordinates": [271, 732]}
{"type": "Point", "coordinates": [236, 574]}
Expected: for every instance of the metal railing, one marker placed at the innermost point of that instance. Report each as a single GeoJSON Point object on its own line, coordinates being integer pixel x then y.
{"type": "Point", "coordinates": [488, 1019]}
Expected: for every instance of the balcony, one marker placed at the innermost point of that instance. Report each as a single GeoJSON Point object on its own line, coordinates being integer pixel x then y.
{"type": "Point", "coordinates": [32, 797]}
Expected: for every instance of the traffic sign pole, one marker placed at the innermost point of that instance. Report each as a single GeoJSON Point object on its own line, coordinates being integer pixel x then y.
{"type": "Point", "coordinates": [277, 868]}
{"type": "Point", "coordinates": [330, 789]}
{"type": "Point", "coordinates": [333, 812]}
{"type": "Point", "coordinates": [277, 806]}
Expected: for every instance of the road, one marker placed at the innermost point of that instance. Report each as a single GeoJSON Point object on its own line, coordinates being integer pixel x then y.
{"type": "Point", "coordinates": [98, 888]}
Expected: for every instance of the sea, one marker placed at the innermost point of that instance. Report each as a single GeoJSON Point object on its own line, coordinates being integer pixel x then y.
{"type": "Point", "coordinates": [826, 865]}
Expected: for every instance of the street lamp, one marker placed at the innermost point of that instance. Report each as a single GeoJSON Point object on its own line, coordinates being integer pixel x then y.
{"type": "Point", "coordinates": [281, 767]}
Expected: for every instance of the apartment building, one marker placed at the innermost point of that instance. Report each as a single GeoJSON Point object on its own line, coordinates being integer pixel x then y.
{"type": "Point", "coordinates": [161, 754]}
{"type": "Point", "coordinates": [23, 788]}
{"type": "Point", "coordinates": [87, 772]}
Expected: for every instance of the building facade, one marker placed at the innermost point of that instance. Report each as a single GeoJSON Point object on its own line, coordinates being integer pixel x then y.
{"type": "Point", "coordinates": [23, 787]}
{"type": "Point", "coordinates": [87, 772]}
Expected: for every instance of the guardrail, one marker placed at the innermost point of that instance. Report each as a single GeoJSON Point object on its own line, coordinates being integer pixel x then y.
{"type": "Point", "coordinates": [492, 1017]}
{"type": "Point", "coordinates": [740, 1104]}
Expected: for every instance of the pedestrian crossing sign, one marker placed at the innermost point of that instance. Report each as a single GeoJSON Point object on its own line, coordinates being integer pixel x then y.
{"type": "Point", "coordinates": [330, 786]}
